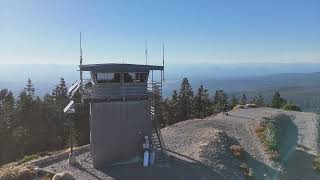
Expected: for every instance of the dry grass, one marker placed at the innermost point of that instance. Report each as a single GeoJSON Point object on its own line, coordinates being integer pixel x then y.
{"type": "Point", "coordinates": [259, 128]}
{"type": "Point", "coordinates": [17, 173]}
{"type": "Point", "coordinates": [236, 150]}
{"type": "Point", "coordinates": [316, 163]}
{"type": "Point", "coordinates": [247, 171]}
{"type": "Point", "coordinates": [13, 171]}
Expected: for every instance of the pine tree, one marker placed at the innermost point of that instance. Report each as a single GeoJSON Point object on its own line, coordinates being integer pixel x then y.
{"type": "Point", "coordinates": [29, 117]}
{"type": "Point", "coordinates": [7, 125]}
{"type": "Point", "coordinates": [234, 102]}
{"type": "Point", "coordinates": [243, 100]}
{"type": "Point", "coordinates": [220, 101]}
{"type": "Point", "coordinates": [60, 97]}
{"type": "Point", "coordinates": [29, 89]}
{"type": "Point", "coordinates": [258, 101]}
{"type": "Point", "coordinates": [206, 103]}
{"type": "Point", "coordinates": [173, 107]}
{"type": "Point", "coordinates": [174, 96]}
{"type": "Point", "coordinates": [277, 100]}
{"type": "Point", "coordinates": [201, 102]}
{"type": "Point", "coordinates": [60, 94]}
{"type": "Point", "coordinates": [158, 105]}
{"type": "Point", "coordinates": [185, 101]}
{"type": "Point", "coordinates": [169, 112]}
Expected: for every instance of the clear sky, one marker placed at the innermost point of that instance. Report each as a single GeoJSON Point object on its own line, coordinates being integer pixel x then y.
{"type": "Point", "coordinates": [224, 31]}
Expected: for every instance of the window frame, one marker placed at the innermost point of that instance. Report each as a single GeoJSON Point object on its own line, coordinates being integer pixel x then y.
{"type": "Point", "coordinates": [97, 81]}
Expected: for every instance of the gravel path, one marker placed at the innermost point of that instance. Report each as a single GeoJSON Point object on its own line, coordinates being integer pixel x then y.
{"type": "Point", "coordinates": [177, 168]}
{"type": "Point", "coordinates": [208, 145]}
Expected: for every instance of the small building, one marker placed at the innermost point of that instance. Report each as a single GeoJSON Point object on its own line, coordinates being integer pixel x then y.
{"type": "Point", "coordinates": [121, 111]}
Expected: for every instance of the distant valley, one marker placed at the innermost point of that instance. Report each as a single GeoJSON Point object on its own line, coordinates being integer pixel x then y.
{"type": "Point", "coordinates": [296, 82]}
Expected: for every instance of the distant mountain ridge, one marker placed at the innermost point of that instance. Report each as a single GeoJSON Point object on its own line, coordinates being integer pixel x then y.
{"type": "Point", "coordinates": [297, 82]}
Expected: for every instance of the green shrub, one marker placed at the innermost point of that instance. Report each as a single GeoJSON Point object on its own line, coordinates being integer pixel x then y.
{"type": "Point", "coordinates": [29, 158]}
{"type": "Point", "coordinates": [291, 107]}
{"type": "Point", "coordinates": [316, 162]}
{"type": "Point", "coordinates": [268, 135]}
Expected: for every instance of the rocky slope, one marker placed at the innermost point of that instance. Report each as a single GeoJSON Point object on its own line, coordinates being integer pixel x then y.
{"type": "Point", "coordinates": [207, 140]}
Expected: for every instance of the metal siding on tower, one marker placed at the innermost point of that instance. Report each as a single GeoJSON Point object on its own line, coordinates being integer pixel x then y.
{"type": "Point", "coordinates": [117, 130]}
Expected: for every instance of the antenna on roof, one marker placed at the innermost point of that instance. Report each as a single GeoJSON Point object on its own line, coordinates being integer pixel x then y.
{"type": "Point", "coordinates": [163, 61]}
{"type": "Point", "coordinates": [146, 52]}
{"type": "Point", "coordinates": [81, 81]}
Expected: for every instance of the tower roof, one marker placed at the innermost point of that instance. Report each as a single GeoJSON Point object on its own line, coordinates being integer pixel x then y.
{"type": "Point", "coordinates": [112, 67]}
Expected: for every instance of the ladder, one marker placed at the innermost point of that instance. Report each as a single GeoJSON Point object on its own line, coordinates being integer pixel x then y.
{"type": "Point", "coordinates": [157, 144]}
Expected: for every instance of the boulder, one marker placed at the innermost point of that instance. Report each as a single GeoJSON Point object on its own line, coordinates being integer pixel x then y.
{"type": "Point", "coordinates": [25, 173]}
{"type": "Point", "coordinates": [63, 176]}
{"type": "Point", "coordinates": [239, 106]}
{"type": "Point", "coordinates": [250, 106]}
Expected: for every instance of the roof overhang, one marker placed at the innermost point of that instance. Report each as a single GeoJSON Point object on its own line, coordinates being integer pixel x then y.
{"type": "Point", "coordinates": [119, 67]}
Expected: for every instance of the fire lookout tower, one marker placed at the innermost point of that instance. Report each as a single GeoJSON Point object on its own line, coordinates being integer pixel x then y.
{"type": "Point", "coordinates": [122, 111]}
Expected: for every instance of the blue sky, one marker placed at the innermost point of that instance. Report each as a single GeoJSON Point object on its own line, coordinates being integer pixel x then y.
{"type": "Point", "coordinates": [225, 31]}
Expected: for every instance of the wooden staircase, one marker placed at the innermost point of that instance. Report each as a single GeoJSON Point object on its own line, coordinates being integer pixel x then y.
{"type": "Point", "coordinates": [157, 144]}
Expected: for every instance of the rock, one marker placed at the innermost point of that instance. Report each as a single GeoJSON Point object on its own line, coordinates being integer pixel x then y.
{"type": "Point", "coordinates": [25, 173]}
{"type": "Point", "coordinates": [63, 176]}
{"type": "Point", "coordinates": [239, 106]}
{"type": "Point", "coordinates": [72, 160]}
{"type": "Point", "coordinates": [250, 106]}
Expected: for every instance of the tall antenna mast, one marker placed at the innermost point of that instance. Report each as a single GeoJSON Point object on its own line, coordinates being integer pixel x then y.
{"type": "Point", "coordinates": [146, 52]}
{"type": "Point", "coordinates": [80, 51]}
{"type": "Point", "coordinates": [163, 61]}
{"type": "Point", "coordinates": [81, 80]}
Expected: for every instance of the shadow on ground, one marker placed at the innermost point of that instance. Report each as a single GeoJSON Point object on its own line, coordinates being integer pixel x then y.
{"type": "Point", "coordinates": [177, 169]}
{"type": "Point", "coordinates": [296, 164]}
{"type": "Point", "coordinates": [261, 170]}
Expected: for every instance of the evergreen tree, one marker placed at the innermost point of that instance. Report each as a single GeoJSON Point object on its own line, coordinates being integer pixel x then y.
{"type": "Point", "coordinates": [28, 116]}
{"type": "Point", "coordinates": [277, 100]}
{"type": "Point", "coordinates": [29, 89]}
{"type": "Point", "coordinates": [185, 101]}
{"type": "Point", "coordinates": [33, 125]}
{"type": "Point", "coordinates": [234, 102]}
{"type": "Point", "coordinates": [258, 101]}
{"type": "Point", "coordinates": [60, 99]}
{"type": "Point", "coordinates": [201, 102]}
{"type": "Point", "coordinates": [243, 100]}
{"type": "Point", "coordinates": [158, 105]}
{"type": "Point", "coordinates": [169, 112]}
{"type": "Point", "coordinates": [206, 103]}
{"type": "Point", "coordinates": [60, 94]}
{"type": "Point", "coordinates": [172, 105]}
{"type": "Point", "coordinates": [174, 96]}
{"type": "Point", "coordinates": [7, 125]}
{"type": "Point", "coordinates": [220, 101]}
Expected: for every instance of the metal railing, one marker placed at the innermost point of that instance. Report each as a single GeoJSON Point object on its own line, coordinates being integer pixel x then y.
{"type": "Point", "coordinates": [91, 90]}
{"type": "Point", "coordinates": [157, 127]}
{"type": "Point", "coordinates": [155, 87]}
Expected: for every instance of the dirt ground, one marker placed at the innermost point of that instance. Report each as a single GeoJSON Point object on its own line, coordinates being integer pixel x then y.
{"type": "Point", "coordinates": [200, 149]}
{"type": "Point", "coordinates": [299, 139]}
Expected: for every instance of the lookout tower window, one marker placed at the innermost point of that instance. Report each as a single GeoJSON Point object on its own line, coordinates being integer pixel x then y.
{"type": "Point", "coordinates": [129, 77]}
{"type": "Point", "coordinates": [108, 77]}
{"type": "Point", "coordinates": [141, 77]}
